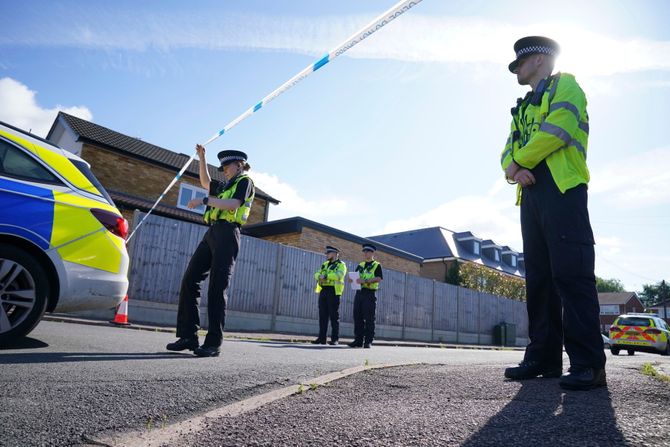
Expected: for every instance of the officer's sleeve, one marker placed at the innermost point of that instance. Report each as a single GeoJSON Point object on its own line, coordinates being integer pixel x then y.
{"type": "Point", "coordinates": [317, 274]}
{"type": "Point", "coordinates": [560, 126]}
{"type": "Point", "coordinates": [506, 157]}
{"type": "Point", "coordinates": [243, 190]}
{"type": "Point", "coordinates": [214, 187]}
{"type": "Point", "coordinates": [378, 272]}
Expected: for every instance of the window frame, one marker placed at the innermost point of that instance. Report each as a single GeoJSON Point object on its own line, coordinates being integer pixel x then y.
{"type": "Point", "coordinates": [193, 191]}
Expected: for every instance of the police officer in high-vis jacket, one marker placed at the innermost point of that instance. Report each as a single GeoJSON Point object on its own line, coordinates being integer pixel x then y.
{"type": "Point", "coordinates": [330, 285]}
{"type": "Point", "coordinates": [365, 301]}
{"type": "Point", "coordinates": [228, 206]}
{"type": "Point", "coordinates": [545, 156]}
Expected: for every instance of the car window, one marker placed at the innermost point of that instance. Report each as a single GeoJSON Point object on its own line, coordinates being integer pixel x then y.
{"type": "Point", "coordinates": [634, 321]}
{"type": "Point", "coordinates": [16, 163]}
{"type": "Point", "coordinates": [84, 169]}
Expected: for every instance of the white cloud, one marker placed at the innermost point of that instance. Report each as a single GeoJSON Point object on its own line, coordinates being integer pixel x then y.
{"type": "Point", "coordinates": [490, 216]}
{"type": "Point", "coordinates": [413, 37]}
{"type": "Point", "coordinates": [636, 181]}
{"type": "Point", "coordinates": [19, 107]}
{"type": "Point", "coordinates": [294, 204]}
{"type": "Point", "coordinates": [609, 245]}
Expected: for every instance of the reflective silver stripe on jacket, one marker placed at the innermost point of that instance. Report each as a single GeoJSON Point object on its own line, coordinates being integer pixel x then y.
{"type": "Point", "coordinates": [556, 131]}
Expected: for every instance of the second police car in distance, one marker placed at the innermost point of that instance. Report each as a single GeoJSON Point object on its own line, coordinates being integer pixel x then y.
{"type": "Point", "coordinates": [639, 332]}
{"type": "Point", "coordinates": [62, 240]}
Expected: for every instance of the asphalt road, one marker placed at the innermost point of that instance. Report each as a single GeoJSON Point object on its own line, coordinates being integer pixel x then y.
{"type": "Point", "coordinates": [70, 382]}
{"type": "Point", "coordinates": [455, 405]}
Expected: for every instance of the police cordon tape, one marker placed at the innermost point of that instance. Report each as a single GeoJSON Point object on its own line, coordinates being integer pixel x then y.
{"type": "Point", "coordinates": [372, 27]}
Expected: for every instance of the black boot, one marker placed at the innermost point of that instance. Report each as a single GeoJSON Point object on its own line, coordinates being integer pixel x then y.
{"type": "Point", "coordinates": [318, 341]}
{"type": "Point", "coordinates": [580, 378]}
{"type": "Point", "coordinates": [355, 344]}
{"type": "Point", "coordinates": [333, 342]}
{"type": "Point", "coordinates": [207, 351]}
{"type": "Point", "coordinates": [530, 369]}
{"type": "Point", "coordinates": [182, 344]}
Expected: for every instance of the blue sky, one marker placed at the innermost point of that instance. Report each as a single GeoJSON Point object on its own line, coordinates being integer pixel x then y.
{"type": "Point", "coordinates": [404, 131]}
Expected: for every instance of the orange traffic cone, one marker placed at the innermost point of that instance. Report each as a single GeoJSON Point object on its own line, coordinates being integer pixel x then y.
{"type": "Point", "coordinates": [121, 317]}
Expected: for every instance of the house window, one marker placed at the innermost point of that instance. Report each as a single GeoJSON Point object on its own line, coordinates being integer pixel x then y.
{"type": "Point", "coordinates": [609, 309]}
{"type": "Point", "coordinates": [513, 261]}
{"type": "Point", "coordinates": [497, 255]}
{"type": "Point", "coordinates": [476, 248]}
{"type": "Point", "coordinates": [189, 192]}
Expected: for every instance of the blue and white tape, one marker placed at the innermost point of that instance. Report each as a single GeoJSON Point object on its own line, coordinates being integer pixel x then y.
{"type": "Point", "coordinates": [372, 27]}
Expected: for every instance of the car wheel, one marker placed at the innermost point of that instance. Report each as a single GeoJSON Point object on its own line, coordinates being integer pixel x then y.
{"type": "Point", "coordinates": [631, 352]}
{"type": "Point", "coordinates": [667, 349]}
{"type": "Point", "coordinates": [614, 351]}
{"type": "Point", "coordinates": [23, 293]}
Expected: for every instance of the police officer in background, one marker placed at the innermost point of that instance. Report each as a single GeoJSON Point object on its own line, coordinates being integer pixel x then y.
{"type": "Point", "coordinates": [365, 302]}
{"type": "Point", "coordinates": [228, 207]}
{"type": "Point", "coordinates": [330, 285]}
{"type": "Point", "coordinates": [545, 156]}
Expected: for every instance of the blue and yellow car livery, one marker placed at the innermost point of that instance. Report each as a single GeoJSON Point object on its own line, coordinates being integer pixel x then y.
{"type": "Point", "coordinates": [62, 240]}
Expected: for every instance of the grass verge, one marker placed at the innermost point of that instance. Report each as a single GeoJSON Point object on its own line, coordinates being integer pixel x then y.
{"type": "Point", "coordinates": [648, 370]}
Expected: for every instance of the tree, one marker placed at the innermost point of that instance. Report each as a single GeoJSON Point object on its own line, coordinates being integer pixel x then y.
{"type": "Point", "coordinates": [454, 274]}
{"type": "Point", "coordinates": [484, 279]}
{"type": "Point", "coordinates": [609, 285]}
{"type": "Point", "coordinates": [654, 293]}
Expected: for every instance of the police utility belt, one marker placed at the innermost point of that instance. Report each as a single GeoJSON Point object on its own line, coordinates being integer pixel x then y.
{"type": "Point", "coordinates": [223, 222]}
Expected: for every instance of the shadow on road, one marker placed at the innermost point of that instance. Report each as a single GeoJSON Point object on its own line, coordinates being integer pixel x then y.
{"type": "Point", "coordinates": [25, 343]}
{"type": "Point", "coordinates": [67, 357]}
{"type": "Point", "coordinates": [544, 414]}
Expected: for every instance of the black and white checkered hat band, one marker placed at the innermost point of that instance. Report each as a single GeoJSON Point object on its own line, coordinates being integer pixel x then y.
{"type": "Point", "coordinates": [230, 158]}
{"type": "Point", "coordinates": [536, 49]}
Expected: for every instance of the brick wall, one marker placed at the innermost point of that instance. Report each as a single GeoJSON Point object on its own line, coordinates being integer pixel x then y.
{"type": "Point", "coordinates": [132, 176]}
{"type": "Point", "coordinates": [290, 239]}
{"type": "Point", "coordinates": [135, 177]}
{"type": "Point", "coordinates": [434, 270]}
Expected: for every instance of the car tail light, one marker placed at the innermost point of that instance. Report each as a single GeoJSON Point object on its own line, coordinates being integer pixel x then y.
{"type": "Point", "coordinates": [615, 329]}
{"type": "Point", "coordinates": [653, 331]}
{"type": "Point", "coordinates": [112, 222]}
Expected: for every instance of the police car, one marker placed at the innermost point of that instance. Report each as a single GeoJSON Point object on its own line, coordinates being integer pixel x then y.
{"type": "Point", "coordinates": [62, 240]}
{"type": "Point", "coordinates": [640, 332]}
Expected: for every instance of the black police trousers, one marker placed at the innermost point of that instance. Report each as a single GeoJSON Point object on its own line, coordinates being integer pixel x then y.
{"type": "Point", "coordinates": [215, 256]}
{"type": "Point", "coordinates": [365, 307]}
{"type": "Point", "coordinates": [329, 310]}
{"type": "Point", "coordinates": [562, 300]}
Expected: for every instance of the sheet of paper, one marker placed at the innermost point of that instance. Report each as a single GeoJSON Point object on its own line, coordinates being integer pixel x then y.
{"type": "Point", "coordinates": [354, 285]}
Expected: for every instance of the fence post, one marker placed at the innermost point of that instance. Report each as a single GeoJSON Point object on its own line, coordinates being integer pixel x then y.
{"type": "Point", "coordinates": [404, 305]}
{"type": "Point", "coordinates": [479, 318]}
{"type": "Point", "coordinates": [432, 317]}
{"type": "Point", "coordinates": [277, 288]}
{"type": "Point", "coordinates": [458, 314]}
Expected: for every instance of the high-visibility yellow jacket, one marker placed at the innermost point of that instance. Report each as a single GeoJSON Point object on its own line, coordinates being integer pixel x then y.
{"type": "Point", "coordinates": [368, 273]}
{"type": "Point", "coordinates": [334, 273]}
{"type": "Point", "coordinates": [552, 127]}
{"type": "Point", "coordinates": [238, 215]}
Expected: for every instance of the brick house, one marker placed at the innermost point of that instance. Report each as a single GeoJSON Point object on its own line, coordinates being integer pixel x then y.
{"type": "Point", "coordinates": [135, 172]}
{"type": "Point", "coordinates": [613, 304]}
{"type": "Point", "coordinates": [313, 236]}
{"type": "Point", "coordinates": [440, 248]}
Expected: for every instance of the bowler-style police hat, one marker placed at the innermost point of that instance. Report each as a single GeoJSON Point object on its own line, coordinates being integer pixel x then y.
{"type": "Point", "coordinates": [331, 249]}
{"type": "Point", "coordinates": [369, 247]}
{"type": "Point", "coordinates": [533, 45]}
{"type": "Point", "coordinates": [229, 156]}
